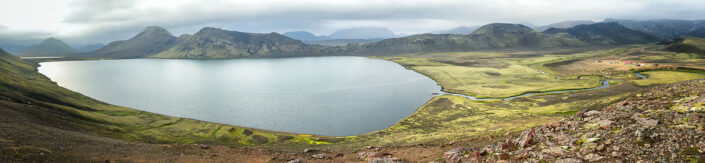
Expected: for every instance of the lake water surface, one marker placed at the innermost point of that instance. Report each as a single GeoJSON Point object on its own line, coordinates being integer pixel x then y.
{"type": "Point", "coordinates": [335, 96]}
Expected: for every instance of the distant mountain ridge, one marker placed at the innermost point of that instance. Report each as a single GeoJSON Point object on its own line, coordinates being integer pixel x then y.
{"type": "Point", "coordinates": [608, 33]}
{"type": "Point", "coordinates": [491, 36]}
{"type": "Point", "coordinates": [215, 43]}
{"type": "Point", "coordinates": [151, 41]}
{"type": "Point", "coordinates": [362, 33]}
{"type": "Point", "coordinates": [664, 28]}
{"type": "Point", "coordinates": [304, 36]}
{"type": "Point", "coordinates": [209, 43]}
{"type": "Point", "coordinates": [48, 47]}
{"type": "Point", "coordinates": [564, 24]}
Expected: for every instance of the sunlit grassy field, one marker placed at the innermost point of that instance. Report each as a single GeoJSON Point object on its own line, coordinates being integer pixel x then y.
{"type": "Point", "coordinates": [494, 75]}
{"type": "Point", "coordinates": [665, 77]}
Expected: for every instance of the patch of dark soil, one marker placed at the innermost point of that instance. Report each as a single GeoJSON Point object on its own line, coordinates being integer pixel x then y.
{"type": "Point", "coordinates": [493, 73]}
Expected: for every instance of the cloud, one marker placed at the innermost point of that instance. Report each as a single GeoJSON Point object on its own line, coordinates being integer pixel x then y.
{"type": "Point", "coordinates": [86, 21]}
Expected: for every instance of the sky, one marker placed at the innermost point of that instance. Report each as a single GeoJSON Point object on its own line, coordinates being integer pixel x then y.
{"type": "Point", "coordinates": [101, 21]}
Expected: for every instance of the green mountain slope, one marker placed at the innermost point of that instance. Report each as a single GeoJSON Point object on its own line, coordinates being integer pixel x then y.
{"type": "Point", "coordinates": [687, 45]}
{"type": "Point", "coordinates": [212, 43]}
{"type": "Point", "coordinates": [48, 47]}
{"type": "Point", "coordinates": [148, 42]}
{"type": "Point", "coordinates": [488, 37]}
{"type": "Point", "coordinates": [605, 34]}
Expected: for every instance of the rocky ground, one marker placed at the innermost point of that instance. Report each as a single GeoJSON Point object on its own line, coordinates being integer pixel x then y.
{"type": "Point", "coordinates": [664, 124]}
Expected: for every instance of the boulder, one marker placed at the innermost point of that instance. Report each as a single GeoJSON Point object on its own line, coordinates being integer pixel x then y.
{"type": "Point", "coordinates": [527, 138]}
{"type": "Point", "coordinates": [554, 151]}
{"type": "Point", "coordinates": [453, 156]}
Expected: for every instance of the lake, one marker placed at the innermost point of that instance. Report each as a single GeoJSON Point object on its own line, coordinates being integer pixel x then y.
{"type": "Point", "coordinates": [333, 96]}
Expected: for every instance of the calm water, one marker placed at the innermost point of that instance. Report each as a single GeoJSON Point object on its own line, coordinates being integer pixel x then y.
{"type": "Point", "coordinates": [336, 96]}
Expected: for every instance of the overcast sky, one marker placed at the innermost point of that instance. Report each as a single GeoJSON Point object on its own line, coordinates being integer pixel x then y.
{"type": "Point", "coordinates": [101, 21]}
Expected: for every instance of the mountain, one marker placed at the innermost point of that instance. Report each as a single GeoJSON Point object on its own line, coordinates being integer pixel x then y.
{"type": "Point", "coordinates": [487, 37]}
{"type": "Point", "coordinates": [664, 28]}
{"type": "Point", "coordinates": [304, 36]}
{"type": "Point", "coordinates": [564, 24]}
{"type": "Point", "coordinates": [697, 33]}
{"type": "Point", "coordinates": [462, 30]}
{"type": "Point", "coordinates": [48, 47]}
{"type": "Point", "coordinates": [340, 42]}
{"type": "Point", "coordinates": [686, 45]}
{"type": "Point", "coordinates": [609, 33]}
{"type": "Point", "coordinates": [362, 33]}
{"type": "Point", "coordinates": [151, 41]}
{"type": "Point", "coordinates": [13, 48]}
{"type": "Point", "coordinates": [88, 48]}
{"type": "Point", "coordinates": [213, 43]}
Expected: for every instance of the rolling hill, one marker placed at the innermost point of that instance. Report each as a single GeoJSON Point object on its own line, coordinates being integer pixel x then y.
{"type": "Point", "coordinates": [605, 34]}
{"type": "Point", "coordinates": [687, 45]}
{"type": "Point", "coordinates": [151, 41]}
{"type": "Point", "coordinates": [48, 47]}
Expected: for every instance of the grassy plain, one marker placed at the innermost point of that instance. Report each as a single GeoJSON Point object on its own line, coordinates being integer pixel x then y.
{"type": "Point", "coordinates": [665, 77]}
{"type": "Point", "coordinates": [496, 75]}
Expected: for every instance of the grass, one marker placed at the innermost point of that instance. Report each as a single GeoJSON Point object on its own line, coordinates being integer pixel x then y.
{"type": "Point", "coordinates": [494, 75]}
{"type": "Point", "coordinates": [447, 117]}
{"type": "Point", "coordinates": [666, 77]}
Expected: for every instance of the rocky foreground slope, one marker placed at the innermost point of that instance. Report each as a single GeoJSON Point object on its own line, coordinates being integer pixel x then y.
{"type": "Point", "coordinates": [664, 124]}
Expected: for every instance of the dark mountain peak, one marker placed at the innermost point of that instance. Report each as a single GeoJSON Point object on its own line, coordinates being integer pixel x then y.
{"type": "Point", "coordinates": [501, 29]}
{"type": "Point", "coordinates": [303, 35]}
{"type": "Point", "coordinates": [154, 31]}
{"type": "Point", "coordinates": [49, 47]}
{"type": "Point", "coordinates": [152, 40]}
{"type": "Point", "coordinates": [564, 24]}
{"type": "Point", "coordinates": [299, 33]}
{"type": "Point", "coordinates": [52, 40]}
{"type": "Point", "coordinates": [605, 33]}
{"type": "Point", "coordinates": [206, 30]}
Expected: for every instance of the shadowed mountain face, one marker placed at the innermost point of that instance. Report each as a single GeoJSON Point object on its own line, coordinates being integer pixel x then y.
{"type": "Point", "coordinates": [492, 36]}
{"type": "Point", "coordinates": [217, 43]}
{"type": "Point", "coordinates": [89, 47]}
{"type": "Point", "coordinates": [149, 42]}
{"type": "Point", "coordinates": [605, 34]}
{"type": "Point", "coordinates": [697, 33]}
{"type": "Point", "coordinates": [564, 24]}
{"type": "Point", "coordinates": [48, 47]}
{"type": "Point", "coordinates": [663, 29]}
